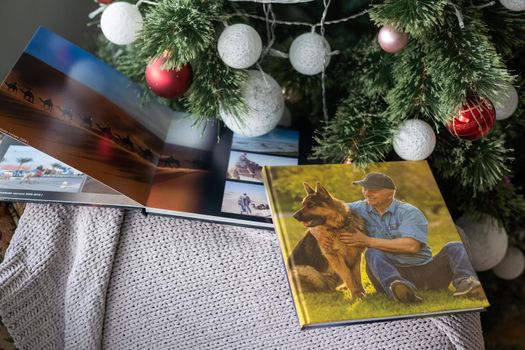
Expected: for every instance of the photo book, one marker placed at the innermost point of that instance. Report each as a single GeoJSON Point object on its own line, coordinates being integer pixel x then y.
{"type": "Point", "coordinates": [369, 245]}
{"type": "Point", "coordinates": [78, 131]}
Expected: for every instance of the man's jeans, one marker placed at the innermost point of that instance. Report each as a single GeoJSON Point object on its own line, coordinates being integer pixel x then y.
{"type": "Point", "coordinates": [451, 264]}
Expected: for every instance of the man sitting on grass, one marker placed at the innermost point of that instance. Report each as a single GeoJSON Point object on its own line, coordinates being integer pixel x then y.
{"type": "Point", "coordinates": [399, 261]}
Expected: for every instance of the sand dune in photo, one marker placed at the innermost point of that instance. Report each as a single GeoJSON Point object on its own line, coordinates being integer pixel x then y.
{"type": "Point", "coordinates": [55, 121]}
{"type": "Point", "coordinates": [86, 151]}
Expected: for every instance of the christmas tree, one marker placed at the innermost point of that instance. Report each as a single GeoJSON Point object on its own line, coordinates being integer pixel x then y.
{"type": "Point", "coordinates": [376, 80]}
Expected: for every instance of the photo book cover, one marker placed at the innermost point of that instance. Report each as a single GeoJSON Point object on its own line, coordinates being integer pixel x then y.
{"type": "Point", "coordinates": [374, 244]}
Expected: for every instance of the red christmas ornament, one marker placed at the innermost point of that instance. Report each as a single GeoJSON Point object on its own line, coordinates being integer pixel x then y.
{"type": "Point", "coordinates": [170, 83]}
{"type": "Point", "coordinates": [475, 119]}
{"type": "Point", "coordinates": [105, 1]}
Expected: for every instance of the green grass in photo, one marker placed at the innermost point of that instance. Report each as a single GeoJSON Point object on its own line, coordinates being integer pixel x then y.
{"type": "Point", "coordinates": [333, 307]}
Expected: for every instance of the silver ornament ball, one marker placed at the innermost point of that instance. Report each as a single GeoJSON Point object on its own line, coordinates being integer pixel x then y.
{"type": "Point", "coordinates": [309, 53]}
{"type": "Point", "coordinates": [239, 46]}
{"type": "Point", "coordinates": [507, 104]}
{"type": "Point", "coordinates": [488, 241]}
{"type": "Point", "coordinates": [513, 5]}
{"type": "Point", "coordinates": [265, 105]}
{"type": "Point", "coordinates": [121, 22]}
{"type": "Point", "coordinates": [414, 140]}
{"type": "Point", "coordinates": [511, 266]}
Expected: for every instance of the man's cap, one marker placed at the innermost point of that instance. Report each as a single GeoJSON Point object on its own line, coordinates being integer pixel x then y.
{"type": "Point", "coordinates": [376, 180]}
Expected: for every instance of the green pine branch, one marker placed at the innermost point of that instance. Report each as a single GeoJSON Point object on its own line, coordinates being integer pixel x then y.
{"type": "Point", "coordinates": [507, 29]}
{"type": "Point", "coordinates": [184, 29]}
{"type": "Point", "coordinates": [463, 60]}
{"type": "Point", "coordinates": [215, 87]}
{"type": "Point", "coordinates": [414, 93]}
{"type": "Point", "coordinates": [364, 67]}
{"type": "Point", "coordinates": [478, 165]}
{"type": "Point", "coordinates": [358, 131]}
{"type": "Point", "coordinates": [416, 17]}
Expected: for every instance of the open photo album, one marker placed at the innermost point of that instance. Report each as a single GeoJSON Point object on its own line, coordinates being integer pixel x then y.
{"type": "Point", "coordinates": [78, 131]}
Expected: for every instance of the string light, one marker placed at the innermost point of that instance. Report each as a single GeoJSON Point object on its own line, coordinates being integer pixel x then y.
{"type": "Point", "coordinates": [294, 23]}
{"type": "Point", "coordinates": [492, 3]}
{"type": "Point", "coordinates": [326, 4]}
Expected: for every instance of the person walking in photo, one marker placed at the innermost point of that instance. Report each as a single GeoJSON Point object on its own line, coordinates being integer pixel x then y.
{"type": "Point", "coordinates": [244, 202]}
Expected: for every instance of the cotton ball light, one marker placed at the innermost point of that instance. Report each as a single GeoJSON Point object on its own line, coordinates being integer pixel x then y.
{"type": "Point", "coordinates": [309, 53]}
{"type": "Point", "coordinates": [265, 105]}
{"type": "Point", "coordinates": [512, 265]}
{"type": "Point", "coordinates": [507, 104]}
{"type": "Point", "coordinates": [488, 241]}
{"type": "Point", "coordinates": [414, 140]}
{"type": "Point", "coordinates": [239, 46]}
{"type": "Point", "coordinates": [513, 5]}
{"type": "Point", "coordinates": [120, 22]}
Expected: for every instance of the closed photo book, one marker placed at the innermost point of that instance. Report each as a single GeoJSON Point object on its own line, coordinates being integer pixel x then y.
{"type": "Point", "coordinates": [369, 245]}
{"type": "Point", "coordinates": [78, 131]}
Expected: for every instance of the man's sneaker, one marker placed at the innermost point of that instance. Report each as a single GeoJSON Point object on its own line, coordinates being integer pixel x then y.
{"type": "Point", "coordinates": [404, 293]}
{"type": "Point", "coordinates": [469, 287]}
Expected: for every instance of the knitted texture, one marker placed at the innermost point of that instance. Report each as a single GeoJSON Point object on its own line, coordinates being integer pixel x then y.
{"type": "Point", "coordinates": [174, 284]}
{"type": "Point", "coordinates": [54, 276]}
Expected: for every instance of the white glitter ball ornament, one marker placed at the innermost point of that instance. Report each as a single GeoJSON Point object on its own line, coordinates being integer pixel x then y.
{"type": "Point", "coordinates": [414, 140]}
{"type": "Point", "coordinates": [513, 5]}
{"type": "Point", "coordinates": [265, 102]}
{"type": "Point", "coordinates": [488, 241]}
{"type": "Point", "coordinates": [120, 22]}
{"type": "Point", "coordinates": [308, 52]}
{"type": "Point", "coordinates": [511, 266]}
{"type": "Point", "coordinates": [239, 46]}
{"type": "Point", "coordinates": [508, 103]}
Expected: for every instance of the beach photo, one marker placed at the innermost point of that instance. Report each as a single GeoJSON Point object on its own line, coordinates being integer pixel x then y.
{"type": "Point", "coordinates": [279, 141]}
{"type": "Point", "coordinates": [245, 199]}
{"type": "Point", "coordinates": [248, 166]}
{"type": "Point", "coordinates": [25, 168]}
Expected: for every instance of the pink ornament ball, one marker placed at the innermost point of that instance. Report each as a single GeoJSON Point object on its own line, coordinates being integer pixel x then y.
{"type": "Point", "coordinates": [391, 40]}
{"type": "Point", "coordinates": [168, 83]}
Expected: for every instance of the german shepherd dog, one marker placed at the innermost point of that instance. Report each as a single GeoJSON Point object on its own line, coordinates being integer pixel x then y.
{"type": "Point", "coordinates": [314, 267]}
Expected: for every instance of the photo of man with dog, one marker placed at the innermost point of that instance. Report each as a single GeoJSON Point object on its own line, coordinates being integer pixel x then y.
{"type": "Point", "coordinates": [370, 244]}
{"type": "Point", "coordinates": [398, 258]}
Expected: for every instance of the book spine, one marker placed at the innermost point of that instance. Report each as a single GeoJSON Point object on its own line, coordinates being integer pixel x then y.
{"type": "Point", "coordinates": [283, 243]}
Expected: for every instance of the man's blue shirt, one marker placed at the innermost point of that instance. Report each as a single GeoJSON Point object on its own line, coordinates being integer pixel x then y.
{"type": "Point", "coordinates": [399, 220]}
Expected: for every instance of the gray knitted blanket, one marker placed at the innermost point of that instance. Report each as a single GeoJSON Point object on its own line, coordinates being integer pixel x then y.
{"type": "Point", "coordinates": [89, 278]}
